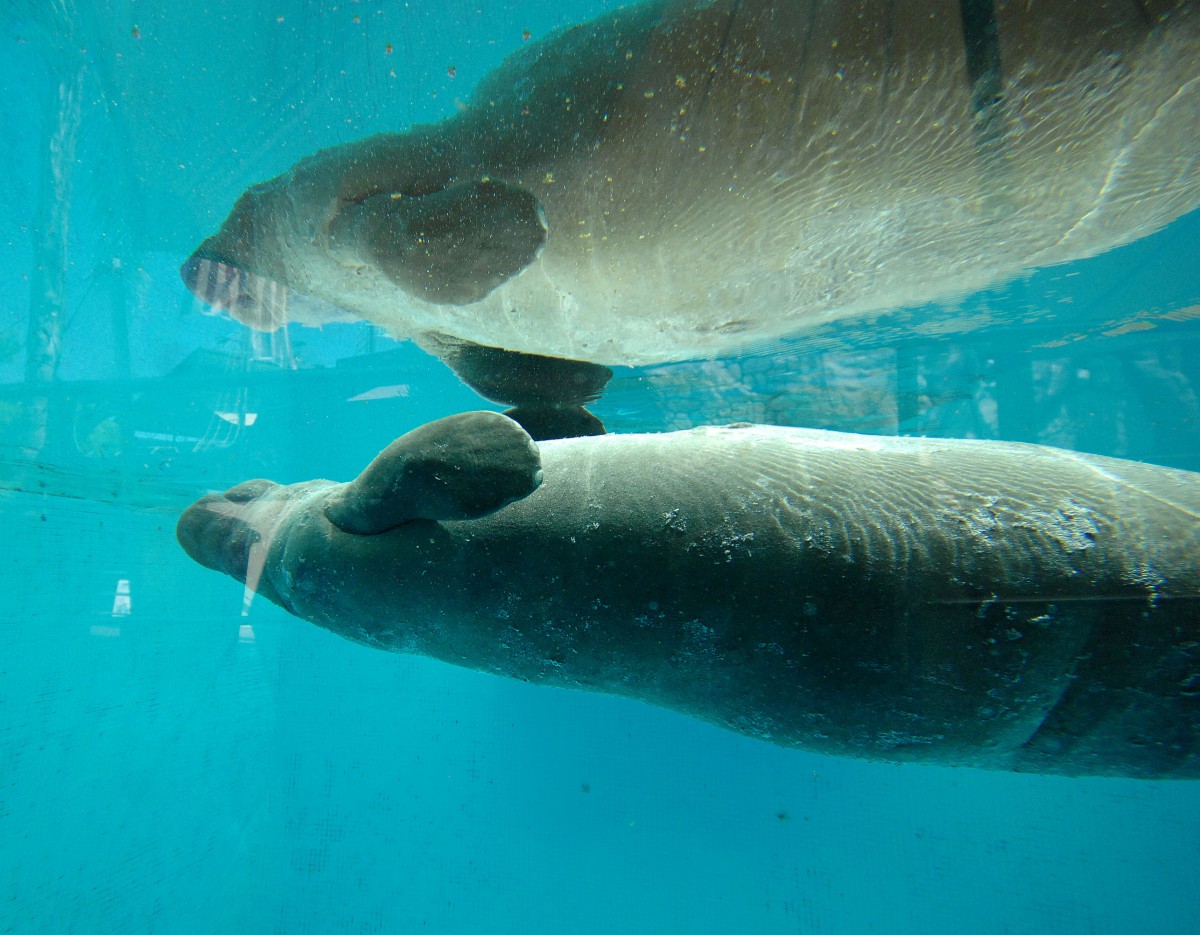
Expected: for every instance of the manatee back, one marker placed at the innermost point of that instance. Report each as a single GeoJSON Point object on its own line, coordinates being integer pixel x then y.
{"type": "Point", "coordinates": [979, 603]}
{"type": "Point", "coordinates": [767, 166]}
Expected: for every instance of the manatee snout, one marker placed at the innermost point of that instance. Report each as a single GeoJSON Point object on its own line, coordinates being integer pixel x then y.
{"type": "Point", "coordinates": [219, 531]}
{"type": "Point", "coordinates": [235, 269]}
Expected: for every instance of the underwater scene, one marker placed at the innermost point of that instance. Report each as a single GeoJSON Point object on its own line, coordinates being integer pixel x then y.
{"type": "Point", "coordinates": [671, 466]}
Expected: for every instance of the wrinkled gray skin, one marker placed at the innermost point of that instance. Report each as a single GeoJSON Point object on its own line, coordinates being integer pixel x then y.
{"type": "Point", "coordinates": [971, 603]}
{"type": "Point", "coordinates": [681, 180]}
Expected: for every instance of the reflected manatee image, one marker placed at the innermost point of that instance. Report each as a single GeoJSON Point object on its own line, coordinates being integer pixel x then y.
{"type": "Point", "coordinates": [678, 180]}
{"type": "Point", "coordinates": [969, 603]}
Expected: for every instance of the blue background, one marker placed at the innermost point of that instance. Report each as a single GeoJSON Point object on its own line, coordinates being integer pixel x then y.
{"type": "Point", "coordinates": [184, 768]}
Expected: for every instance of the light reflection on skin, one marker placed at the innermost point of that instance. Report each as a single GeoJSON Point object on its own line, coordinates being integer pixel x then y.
{"type": "Point", "coordinates": [254, 567]}
{"type": "Point", "coordinates": [256, 301]}
{"type": "Point", "coordinates": [263, 533]}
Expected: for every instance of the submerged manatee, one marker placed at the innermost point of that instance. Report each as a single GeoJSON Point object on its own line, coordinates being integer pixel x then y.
{"type": "Point", "coordinates": [974, 603]}
{"type": "Point", "coordinates": [682, 179]}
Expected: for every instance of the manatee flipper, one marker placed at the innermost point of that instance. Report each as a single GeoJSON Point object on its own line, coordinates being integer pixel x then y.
{"type": "Point", "coordinates": [545, 423]}
{"type": "Point", "coordinates": [462, 467]}
{"type": "Point", "coordinates": [449, 247]}
{"type": "Point", "coordinates": [547, 393]}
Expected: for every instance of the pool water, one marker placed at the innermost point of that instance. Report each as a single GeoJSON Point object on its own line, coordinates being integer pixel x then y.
{"type": "Point", "coordinates": [177, 756]}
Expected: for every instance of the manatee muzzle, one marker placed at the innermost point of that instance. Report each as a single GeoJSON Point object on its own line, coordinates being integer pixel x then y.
{"type": "Point", "coordinates": [219, 531]}
{"type": "Point", "coordinates": [257, 301]}
{"type": "Point", "coordinates": [237, 270]}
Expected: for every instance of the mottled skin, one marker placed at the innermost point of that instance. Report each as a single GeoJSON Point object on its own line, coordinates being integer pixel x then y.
{"type": "Point", "coordinates": [684, 179]}
{"type": "Point", "coordinates": [974, 603]}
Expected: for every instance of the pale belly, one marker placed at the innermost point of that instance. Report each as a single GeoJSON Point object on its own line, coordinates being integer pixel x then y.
{"type": "Point", "coordinates": [677, 295]}
{"type": "Point", "coordinates": [698, 226]}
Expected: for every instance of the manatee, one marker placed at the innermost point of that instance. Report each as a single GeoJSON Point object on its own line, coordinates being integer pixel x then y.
{"type": "Point", "coordinates": [681, 180]}
{"type": "Point", "coordinates": [968, 603]}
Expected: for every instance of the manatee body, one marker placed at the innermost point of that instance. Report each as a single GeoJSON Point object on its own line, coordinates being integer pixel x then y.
{"type": "Point", "coordinates": [974, 603]}
{"type": "Point", "coordinates": [679, 180]}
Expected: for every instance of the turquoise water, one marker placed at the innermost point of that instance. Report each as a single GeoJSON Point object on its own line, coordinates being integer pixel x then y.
{"type": "Point", "coordinates": [174, 761]}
